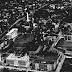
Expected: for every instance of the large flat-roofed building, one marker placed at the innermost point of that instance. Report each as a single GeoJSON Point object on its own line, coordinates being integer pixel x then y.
{"type": "Point", "coordinates": [17, 61]}
{"type": "Point", "coordinates": [45, 63]}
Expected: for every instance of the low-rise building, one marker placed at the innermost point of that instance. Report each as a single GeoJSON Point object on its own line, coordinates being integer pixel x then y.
{"type": "Point", "coordinates": [17, 61]}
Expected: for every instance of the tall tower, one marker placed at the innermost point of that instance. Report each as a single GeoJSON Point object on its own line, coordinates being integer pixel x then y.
{"type": "Point", "coordinates": [27, 17]}
{"type": "Point", "coordinates": [0, 56]}
{"type": "Point", "coordinates": [27, 14]}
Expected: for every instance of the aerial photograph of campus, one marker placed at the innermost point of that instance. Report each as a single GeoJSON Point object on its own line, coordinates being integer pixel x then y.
{"type": "Point", "coordinates": [35, 35]}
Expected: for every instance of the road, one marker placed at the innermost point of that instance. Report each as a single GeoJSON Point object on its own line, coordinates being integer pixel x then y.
{"type": "Point", "coordinates": [60, 63]}
{"type": "Point", "coordinates": [3, 34]}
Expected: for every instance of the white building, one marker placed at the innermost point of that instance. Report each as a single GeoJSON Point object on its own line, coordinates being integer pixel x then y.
{"type": "Point", "coordinates": [12, 33]}
{"type": "Point", "coordinates": [17, 61]}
